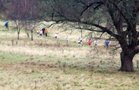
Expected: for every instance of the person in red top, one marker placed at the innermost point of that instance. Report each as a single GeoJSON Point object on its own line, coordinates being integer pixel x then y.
{"type": "Point", "coordinates": [89, 42]}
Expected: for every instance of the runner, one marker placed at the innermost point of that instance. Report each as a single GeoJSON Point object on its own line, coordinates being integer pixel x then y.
{"type": "Point", "coordinates": [46, 32]}
{"type": "Point", "coordinates": [89, 42]}
{"type": "Point", "coordinates": [106, 43]}
{"type": "Point", "coordinates": [6, 24]}
{"type": "Point", "coordinates": [56, 35]}
{"type": "Point", "coordinates": [80, 41]}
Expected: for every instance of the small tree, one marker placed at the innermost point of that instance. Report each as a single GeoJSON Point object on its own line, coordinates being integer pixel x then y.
{"type": "Point", "coordinates": [22, 12]}
{"type": "Point", "coordinates": [29, 28]}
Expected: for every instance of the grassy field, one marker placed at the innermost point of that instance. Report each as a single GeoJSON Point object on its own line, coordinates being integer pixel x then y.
{"type": "Point", "coordinates": [48, 64]}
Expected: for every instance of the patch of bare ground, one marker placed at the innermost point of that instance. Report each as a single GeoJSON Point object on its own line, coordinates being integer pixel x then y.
{"type": "Point", "coordinates": [28, 67]}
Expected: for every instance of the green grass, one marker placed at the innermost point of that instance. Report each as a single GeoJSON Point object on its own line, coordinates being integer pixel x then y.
{"type": "Point", "coordinates": [6, 57]}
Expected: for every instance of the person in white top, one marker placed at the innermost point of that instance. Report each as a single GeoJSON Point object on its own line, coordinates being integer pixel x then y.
{"type": "Point", "coordinates": [41, 32]}
{"type": "Point", "coordinates": [67, 40]}
{"type": "Point", "coordinates": [80, 41]}
{"type": "Point", "coordinates": [95, 43]}
{"type": "Point", "coordinates": [56, 35]}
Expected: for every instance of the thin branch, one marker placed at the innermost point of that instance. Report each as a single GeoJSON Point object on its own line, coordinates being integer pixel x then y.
{"type": "Point", "coordinates": [90, 29]}
{"type": "Point", "coordinates": [101, 34]}
{"type": "Point", "coordinates": [90, 5]}
{"type": "Point", "coordinates": [120, 11]}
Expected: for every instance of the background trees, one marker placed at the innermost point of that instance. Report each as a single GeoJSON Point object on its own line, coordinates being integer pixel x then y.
{"type": "Point", "coordinates": [22, 12]}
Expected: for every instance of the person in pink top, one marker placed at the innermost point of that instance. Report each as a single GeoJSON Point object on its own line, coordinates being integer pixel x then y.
{"type": "Point", "coordinates": [89, 42]}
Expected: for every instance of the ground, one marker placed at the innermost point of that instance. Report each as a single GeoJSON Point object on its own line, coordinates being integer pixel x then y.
{"type": "Point", "coordinates": [45, 64]}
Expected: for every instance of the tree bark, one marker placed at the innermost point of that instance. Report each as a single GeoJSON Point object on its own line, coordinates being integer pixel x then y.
{"type": "Point", "coordinates": [127, 62]}
{"type": "Point", "coordinates": [18, 33]}
{"type": "Point", "coordinates": [32, 35]}
{"type": "Point", "coordinates": [27, 34]}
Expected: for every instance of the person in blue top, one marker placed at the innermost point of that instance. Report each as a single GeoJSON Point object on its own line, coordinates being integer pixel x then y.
{"type": "Point", "coordinates": [6, 24]}
{"type": "Point", "coordinates": [106, 43]}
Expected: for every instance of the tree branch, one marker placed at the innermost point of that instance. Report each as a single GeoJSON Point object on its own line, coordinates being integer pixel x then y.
{"type": "Point", "coordinates": [121, 12]}
{"type": "Point", "coordinates": [90, 5]}
{"type": "Point", "coordinates": [90, 29]}
{"type": "Point", "coordinates": [103, 29]}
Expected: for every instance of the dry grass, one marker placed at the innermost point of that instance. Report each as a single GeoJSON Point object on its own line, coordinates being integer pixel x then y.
{"type": "Point", "coordinates": [44, 64]}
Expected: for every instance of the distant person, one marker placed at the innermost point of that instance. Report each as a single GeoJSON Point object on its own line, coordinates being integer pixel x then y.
{"type": "Point", "coordinates": [106, 43]}
{"type": "Point", "coordinates": [80, 41]}
{"type": "Point", "coordinates": [67, 40]}
{"type": "Point", "coordinates": [56, 35]}
{"type": "Point", "coordinates": [95, 43]}
{"type": "Point", "coordinates": [89, 42]}
{"type": "Point", "coordinates": [6, 24]}
{"type": "Point", "coordinates": [43, 31]}
{"type": "Point", "coordinates": [46, 32]}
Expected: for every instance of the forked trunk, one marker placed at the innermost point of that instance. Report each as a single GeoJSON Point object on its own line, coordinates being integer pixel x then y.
{"type": "Point", "coordinates": [127, 62]}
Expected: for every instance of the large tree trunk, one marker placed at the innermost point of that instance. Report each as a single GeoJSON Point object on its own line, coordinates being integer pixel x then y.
{"type": "Point", "coordinates": [127, 62]}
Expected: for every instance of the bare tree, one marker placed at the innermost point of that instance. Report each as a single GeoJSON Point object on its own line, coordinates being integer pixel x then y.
{"type": "Point", "coordinates": [22, 11]}
{"type": "Point", "coordinates": [29, 27]}
{"type": "Point", "coordinates": [122, 14]}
